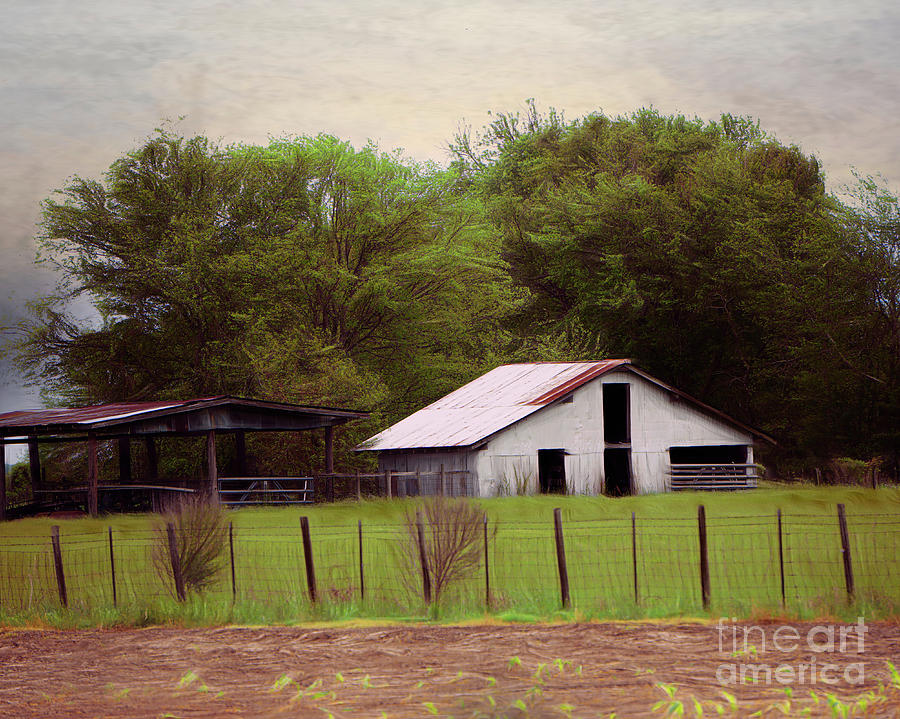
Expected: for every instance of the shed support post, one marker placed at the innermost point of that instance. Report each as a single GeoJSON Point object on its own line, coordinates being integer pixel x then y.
{"type": "Point", "coordinates": [2, 481]}
{"type": "Point", "coordinates": [93, 502]}
{"type": "Point", "coordinates": [240, 450]}
{"type": "Point", "coordinates": [152, 462]}
{"type": "Point", "coordinates": [34, 465]}
{"type": "Point", "coordinates": [124, 448]}
{"type": "Point", "coordinates": [212, 468]}
{"type": "Point", "coordinates": [329, 449]}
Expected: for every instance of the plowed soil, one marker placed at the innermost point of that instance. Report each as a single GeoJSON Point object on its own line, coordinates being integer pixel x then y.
{"type": "Point", "coordinates": [574, 670]}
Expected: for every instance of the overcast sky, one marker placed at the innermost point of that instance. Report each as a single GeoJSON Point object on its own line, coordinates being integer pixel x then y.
{"type": "Point", "coordinates": [82, 83]}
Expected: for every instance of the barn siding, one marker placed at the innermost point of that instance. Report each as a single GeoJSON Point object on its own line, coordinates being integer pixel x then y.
{"type": "Point", "coordinates": [659, 420]}
{"type": "Point", "coordinates": [424, 461]}
{"type": "Point", "coordinates": [431, 462]}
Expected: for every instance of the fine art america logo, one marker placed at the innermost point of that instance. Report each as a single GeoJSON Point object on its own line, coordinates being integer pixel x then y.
{"type": "Point", "coordinates": [813, 651]}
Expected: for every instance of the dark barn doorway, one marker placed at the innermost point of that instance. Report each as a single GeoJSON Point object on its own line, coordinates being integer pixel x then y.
{"type": "Point", "coordinates": [617, 470]}
{"type": "Point", "coordinates": [714, 455]}
{"type": "Point", "coordinates": [552, 471]}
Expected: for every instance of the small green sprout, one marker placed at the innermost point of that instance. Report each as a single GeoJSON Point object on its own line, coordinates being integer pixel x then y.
{"type": "Point", "coordinates": [187, 680]}
{"type": "Point", "coordinates": [731, 699]}
{"type": "Point", "coordinates": [281, 683]}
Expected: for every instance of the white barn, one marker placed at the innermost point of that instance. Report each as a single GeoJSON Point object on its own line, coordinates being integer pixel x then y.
{"type": "Point", "coordinates": [576, 427]}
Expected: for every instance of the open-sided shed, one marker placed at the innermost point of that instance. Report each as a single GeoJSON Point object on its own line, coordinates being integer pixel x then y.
{"type": "Point", "coordinates": [126, 422]}
{"type": "Point", "coordinates": [581, 427]}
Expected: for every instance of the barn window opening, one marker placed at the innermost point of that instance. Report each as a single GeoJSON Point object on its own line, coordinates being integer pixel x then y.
{"type": "Point", "coordinates": [552, 471]}
{"type": "Point", "coordinates": [617, 471]}
{"type": "Point", "coordinates": [718, 454]}
{"type": "Point", "coordinates": [616, 414]}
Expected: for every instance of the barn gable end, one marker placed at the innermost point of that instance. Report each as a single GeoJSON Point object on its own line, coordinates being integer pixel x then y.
{"type": "Point", "coordinates": [602, 427]}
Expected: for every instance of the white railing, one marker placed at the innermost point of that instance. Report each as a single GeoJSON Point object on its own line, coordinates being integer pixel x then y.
{"type": "Point", "coordinates": [240, 491]}
{"type": "Point", "coordinates": [714, 476]}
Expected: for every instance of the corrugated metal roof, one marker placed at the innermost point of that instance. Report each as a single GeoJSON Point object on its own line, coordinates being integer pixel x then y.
{"type": "Point", "coordinates": [488, 404]}
{"type": "Point", "coordinates": [87, 415]}
{"type": "Point", "coordinates": [121, 413]}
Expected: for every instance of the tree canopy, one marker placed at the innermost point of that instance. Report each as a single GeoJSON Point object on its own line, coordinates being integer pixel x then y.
{"type": "Point", "coordinates": [304, 271]}
{"type": "Point", "coordinates": [708, 252]}
{"type": "Point", "coordinates": [310, 271]}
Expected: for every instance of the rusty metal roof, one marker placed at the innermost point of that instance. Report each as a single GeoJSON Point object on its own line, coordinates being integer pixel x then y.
{"type": "Point", "coordinates": [81, 419]}
{"type": "Point", "coordinates": [84, 415]}
{"type": "Point", "coordinates": [488, 404]}
{"type": "Point", "coordinates": [504, 396]}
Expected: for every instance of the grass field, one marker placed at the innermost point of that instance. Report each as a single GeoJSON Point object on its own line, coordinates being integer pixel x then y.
{"type": "Point", "coordinates": [270, 584]}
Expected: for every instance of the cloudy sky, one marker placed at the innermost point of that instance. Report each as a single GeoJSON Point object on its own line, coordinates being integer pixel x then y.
{"type": "Point", "coordinates": [82, 83]}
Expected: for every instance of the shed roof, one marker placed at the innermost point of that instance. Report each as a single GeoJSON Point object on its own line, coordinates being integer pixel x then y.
{"type": "Point", "coordinates": [174, 416]}
{"type": "Point", "coordinates": [504, 396]}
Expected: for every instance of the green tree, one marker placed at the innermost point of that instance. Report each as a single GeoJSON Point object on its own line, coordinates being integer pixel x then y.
{"type": "Point", "coordinates": [304, 271]}
{"type": "Point", "coordinates": [872, 220]}
{"type": "Point", "coordinates": [707, 251]}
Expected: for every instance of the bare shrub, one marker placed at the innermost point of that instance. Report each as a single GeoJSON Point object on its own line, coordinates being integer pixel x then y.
{"type": "Point", "coordinates": [454, 542]}
{"type": "Point", "coordinates": [201, 538]}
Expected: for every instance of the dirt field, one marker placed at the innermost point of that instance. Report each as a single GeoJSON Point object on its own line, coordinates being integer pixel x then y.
{"type": "Point", "coordinates": [573, 670]}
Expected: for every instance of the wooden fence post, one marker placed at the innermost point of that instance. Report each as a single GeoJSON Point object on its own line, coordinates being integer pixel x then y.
{"type": "Point", "coordinates": [231, 559]}
{"type": "Point", "coordinates": [362, 574]}
{"type": "Point", "coordinates": [308, 559]}
{"type": "Point", "coordinates": [634, 568]}
{"type": "Point", "coordinates": [561, 558]}
{"type": "Point", "coordinates": [845, 550]}
{"type": "Point", "coordinates": [423, 558]}
{"type": "Point", "coordinates": [781, 557]}
{"type": "Point", "coordinates": [487, 566]}
{"type": "Point", "coordinates": [358, 487]}
{"type": "Point", "coordinates": [704, 556]}
{"type": "Point", "coordinates": [112, 567]}
{"type": "Point", "coordinates": [175, 560]}
{"type": "Point", "coordinates": [57, 561]}
{"type": "Point", "coordinates": [387, 482]}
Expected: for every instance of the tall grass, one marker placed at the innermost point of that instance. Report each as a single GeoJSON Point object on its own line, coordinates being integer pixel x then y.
{"type": "Point", "coordinates": [270, 583]}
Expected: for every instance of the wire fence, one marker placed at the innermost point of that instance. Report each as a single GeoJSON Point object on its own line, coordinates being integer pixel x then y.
{"type": "Point", "coordinates": [619, 565]}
